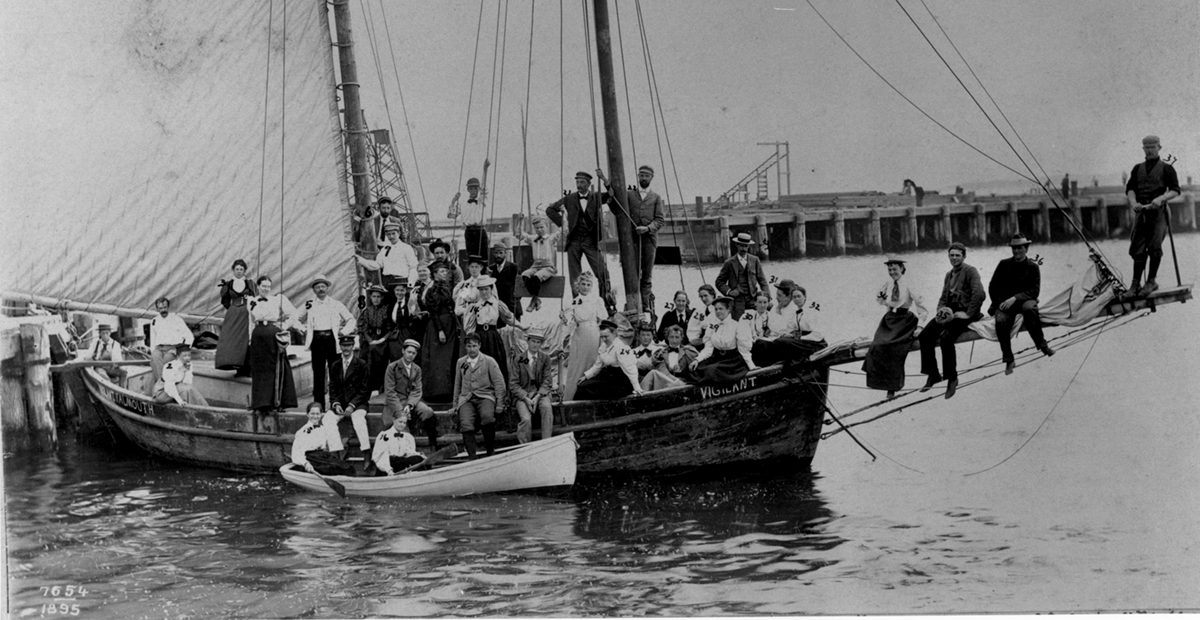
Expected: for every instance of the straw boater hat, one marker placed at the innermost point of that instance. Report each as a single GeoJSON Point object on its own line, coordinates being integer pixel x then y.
{"type": "Point", "coordinates": [399, 282]}
{"type": "Point", "coordinates": [409, 342]}
{"type": "Point", "coordinates": [1017, 240]}
{"type": "Point", "coordinates": [485, 281]}
{"type": "Point", "coordinates": [375, 288]}
{"type": "Point", "coordinates": [436, 243]}
{"type": "Point", "coordinates": [894, 261]}
{"type": "Point", "coordinates": [743, 239]}
{"type": "Point", "coordinates": [319, 280]}
{"type": "Point", "coordinates": [103, 327]}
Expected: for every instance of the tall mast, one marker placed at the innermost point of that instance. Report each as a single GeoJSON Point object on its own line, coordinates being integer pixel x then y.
{"type": "Point", "coordinates": [356, 131]}
{"type": "Point", "coordinates": [616, 164]}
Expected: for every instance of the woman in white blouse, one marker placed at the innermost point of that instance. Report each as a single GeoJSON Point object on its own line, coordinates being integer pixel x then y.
{"type": "Point", "coordinates": [485, 317]}
{"type": "Point", "coordinates": [614, 374]}
{"type": "Point", "coordinates": [704, 318]}
{"type": "Point", "coordinates": [781, 321]}
{"type": "Point", "coordinates": [583, 328]}
{"type": "Point", "coordinates": [726, 355]}
{"type": "Point", "coordinates": [271, 385]}
{"type": "Point", "coordinates": [799, 340]}
{"type": "Point", "coordinates": [901, 323]}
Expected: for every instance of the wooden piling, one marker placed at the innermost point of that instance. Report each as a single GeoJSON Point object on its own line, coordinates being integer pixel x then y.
{"type": "Point", "coordinates": [1100, 224]}
{"type": "Point", "coordinates": [874, 233]}
{"type": "Point", "coordinates": [699, 207]}
{"type": "Point", "coordinates": [35, 355]}
{"type": "Point", "coordinates": [1076, 214]}
{"type": "Point", "coordinates": [839, 232]}
{"type": "Point", "coordinates": [1013, 222]}
{"type": "Point", "coordinates": [723, 237]}
{"type": "Point", "coordinates": [979, 224]}
{"type": "Point", "coordinates": [1189, 210]}
{"type": "Point", "coordinates": [912, 239]}
{"type": "Point", "coordinates": [13, 423]}
{"type": "Point", "coordinates": [799, 236]}
{"type": "Point", "coordinates": [947, 226]}
{"type": "Point", "coordinates": [1044, 221]}
{"type": "Point", "coordinates": [760, 226]}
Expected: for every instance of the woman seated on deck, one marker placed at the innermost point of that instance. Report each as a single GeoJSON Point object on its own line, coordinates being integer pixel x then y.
{"type": "Point", "coordinates": [614, 375]}
{"type": "Point", "coordinates": [644, 347]}
{"type": "Point", "coordinates": [679, 315]}
{"type": "Point", "coordinates": [176, 383]}
{"type": "Point", "coordinates": [801, 339]}
{"type": "Point", "coordinates": [780, 321]}
{"type": "Point", "coordinates": [703, 320]}
{"type": "Point", "coordinates": [317, 446]}
{"type": "Point", "coordinates": [726, 356]}
{"type": "Point", "coordinates": [672, 362]}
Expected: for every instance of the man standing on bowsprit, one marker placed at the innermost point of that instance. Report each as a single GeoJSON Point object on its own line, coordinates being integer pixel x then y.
{"type": "Point", "coordinates": [584, 230]}
{"type": "Point", "coordinates": [1151, 184]}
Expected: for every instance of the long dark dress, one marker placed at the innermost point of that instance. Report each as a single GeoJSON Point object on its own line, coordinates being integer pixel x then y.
{"type": "Point", "coordinates": [724, 367]}
{"type": "Point", "coordinates": [438, 358]}
{"type": "Point", "coordinates": [374, 322]}
{"type": "Point", "coordinates": [235, 329]}
{"type": "Point", "coordinates": [884, 363]}
{"type": "Point", "coordinates": [404, 327]}
{"type": "Point", "coordinates": [272, 386]}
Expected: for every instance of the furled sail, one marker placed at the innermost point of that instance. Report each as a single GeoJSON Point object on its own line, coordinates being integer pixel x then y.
{"type": "Point", "coordinates": [133, 159]}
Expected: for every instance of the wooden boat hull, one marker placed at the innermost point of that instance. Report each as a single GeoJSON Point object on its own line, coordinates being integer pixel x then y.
{"type": "Point", "coordinates": [537, 465]}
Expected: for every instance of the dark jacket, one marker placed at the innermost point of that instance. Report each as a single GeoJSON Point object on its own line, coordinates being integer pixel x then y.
{"type": "Point", "coordinates": [506, 283]}
{"type": "Point", "coordinates": [669, 318]}
{"type": "Point", "coordinates": [1022, 280]}
{"type": "Point", "coordinates": [352, 391]}
{"type": "Point", "coordinates": [964, 293]}
{"type": "Point", "coordinates": [733, 275]}
{"type": "Point", "coordinates": [570, 202]}
{"type": "Point", "coordinates": [525, 378]}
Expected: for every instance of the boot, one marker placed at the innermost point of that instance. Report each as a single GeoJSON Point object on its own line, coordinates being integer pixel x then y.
{"type": "Point", "coordinates": [489, 438]}
{"type": "Point", "coordinates": [931, 381]}
{"type": "Point", "coordinates": [430, 427]}
{"type": "Point", "coordinates": [469, 442]}
{"type": "Point", "coordinates": [1045, 349]}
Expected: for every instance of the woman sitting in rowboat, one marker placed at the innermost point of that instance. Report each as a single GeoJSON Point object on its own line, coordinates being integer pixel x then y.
{"type": "Point", "coordinates": [272, 387]}
{"type": "Point", "coordinates": [583, 329]}
{"type": "Point", "coordinates": [614, 375]}
{"type": "Point", "coordinates": [703, 320]}
{"type": "Point", "coordinates": [317, 447]}
{"type": "Point", "coordinates": [901, 323]}
{"type": "Point", "coordinates": [235, 329]}
{"type": "Point", "coordinates": [672, 362]}
{"type": "Point", "coordinates": [726, 356]}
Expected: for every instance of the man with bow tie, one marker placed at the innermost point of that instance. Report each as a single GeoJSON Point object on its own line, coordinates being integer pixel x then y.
{"type": "Point", "coordinates": [545, 251]}
{"type": "Point", "coordinates": [584, 229]}
{"type": "Point", "coordinates": [479, 393]}
{"type": "Point", "coordinates": [350, 391]}
{"type": "Point", "coordinates": [107, 349]}
{"type": "Point", "coordinates": [645, 348]}
{"type": "Point", "coordinates": [741, 277]}
{"type": "Point", "coordinates": [324, 318]}
{"type": "Point", "coordinates": [646, 211]}
{"type": "Point", "coordinates": [672, 362]}
{"type": "Point", "coordinates": [395, 450]}
{"type": "Point", "coordinates": [474, 235]}
{"type": "Point", "coordinates": [532, 379]}
{"type": "Point", "coordinates": [395, 260]}
{"type": "Point", "coordinates": [316, 446]}
{"type": "Point", "coordinates": [403, 393]}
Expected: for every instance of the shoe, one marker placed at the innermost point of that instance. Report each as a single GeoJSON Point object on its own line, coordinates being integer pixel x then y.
{"type": "Point", "coordinates": [1046, 350]}
{"type": "Point", "coordinates": [891, 394]}
{"type": "Point", "coordinates": [951, 386]}
{"type": "Point", "coordinates": [1149, 287]}
{"type": "Point", "coordinates": [1008, 368]}
{"type": "Point", "coordinates": [932, 381]}
{"type": "Point", "coordinates": [469, 442]}
{"type": "Point", "coordinates": [1135, 290]}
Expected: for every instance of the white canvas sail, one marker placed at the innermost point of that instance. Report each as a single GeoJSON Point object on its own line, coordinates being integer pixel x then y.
{"type": "Point", "coordinates": [133, 150]}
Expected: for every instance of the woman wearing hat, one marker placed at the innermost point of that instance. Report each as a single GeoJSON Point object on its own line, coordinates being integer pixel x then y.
{"type": "Point", "coordinates": [405, 317]}
{"type": "Point", "coordinates": [374, 327]}
{"type": "Point", "coordinates": [439, 350]}
{"type": "Point", "coordinates": [272, 387]}
{"type": "Point", "coordinates": [726, 355]}
{"type": "Point", "coordinates": [485, 317]}
{"type": "Point", "coordinates": [902, 322]}
{"type": "Point", "coordinates": [614, 374]}
{"type": "Point", "coordinates": [235, 329]}
{"type": "Point", "coordinates": [467, 291]}
{"type": "Point", "coordinates": [583, 329]}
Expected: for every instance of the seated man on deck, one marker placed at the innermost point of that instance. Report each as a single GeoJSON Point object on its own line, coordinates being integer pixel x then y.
{"type": "Point", "coordinates": [107, 349]}
{"type": "Point", "coordinates": [403, 391]}
{"type": "Point", "coordinates": [479, 393]}
{"type": "Point", "coordinates": [167, 331]}
{"type": "Point", "coordinates": [317, 447]}
{"type": "Point", "coordinates": [959, 306]}
{"type": "Point", "coordinates": [672, 363]}
{"type": "Point", "coordinates": [350, 391]}
{"type": "Point", "coordinates": [176, 383]}
{"type": "Point", "coordinates": [545, 247]}
{"type": "Point", "coordinates": [531, 376]}
{"type": "Point", "coordinates": [395, 450]}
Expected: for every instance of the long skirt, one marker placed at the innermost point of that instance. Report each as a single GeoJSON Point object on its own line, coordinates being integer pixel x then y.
{"type": "Point", "coordinates": [329, 463]}
{"type": "Point", "coordinates": [660, 380]}
{"type": "Point", "coordinates": [787, 349]}
{"type": "Point", "coordinates": [235, 339]}
{"type": "Point", "coordinates": [437, 361]}
{"type": "Point", "coordinates": [271, 382]}
{"type": "Point", "coordinates": [378, 356]}
{"type": "Point", "coordinates": [726, 366]}
{"type": "Point", "coordinates": [884, 363]}
{"type": "Point", "coordinates": [490, 343]}
{"type": "Point", "coordinates": [585, 348]}
{"type": "Point", "coordinates": [608, 384]}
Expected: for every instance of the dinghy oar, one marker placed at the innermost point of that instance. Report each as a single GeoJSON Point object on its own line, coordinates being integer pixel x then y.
{"type": "Point", "coordinates": [432, 459]}
{"type": "Point", "coordinates": [337, 487]}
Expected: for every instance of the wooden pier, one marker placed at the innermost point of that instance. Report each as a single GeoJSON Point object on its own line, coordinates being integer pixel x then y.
{"type": "Point", "coordinates": [795, 228]}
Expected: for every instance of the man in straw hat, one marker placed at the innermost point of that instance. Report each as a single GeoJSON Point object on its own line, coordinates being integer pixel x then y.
{"type": "Point", "coordinates": [544, 245]}
{"type": "Point", "coordinates": [584, 228]}
{"type": "Point", "coordinates": [741, 276]}
{"type": "Point", "coordinates": [1151, 184]}
{"type": "Point", "coordinates": [107, 349]}
{"type": "Point", "coordinates": [531, 379]}
{"type": "Point", "coordinates": [323, 317]}
{"type": "Point", "coordinates": [1014, 290]}
{"type": "Point", "coordinates": [646, 211]}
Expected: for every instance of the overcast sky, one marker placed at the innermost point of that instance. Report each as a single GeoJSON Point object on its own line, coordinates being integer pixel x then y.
{"type": "Point", "coordinates": [1082, 82]}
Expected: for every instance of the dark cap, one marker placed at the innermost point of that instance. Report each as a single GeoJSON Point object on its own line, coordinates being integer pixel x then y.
{"type": "Point", "coordinates": [346, 340]}
{"type": "Point", "coordinates": [607, 324]}
{"type": "Point", "coordinates": [583, 175]}
{"type": "Point", "coordinates": [471, 337]}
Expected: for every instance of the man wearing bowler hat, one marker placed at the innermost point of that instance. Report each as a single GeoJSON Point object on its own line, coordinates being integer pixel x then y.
{"type": "Point", "coordinates": [1014, 290]}
{"type": "Point", "coordinates": [1151, 184]}
{"type": "Point", "coordinates": [505, 273]}
{"type": "Point", "coordinates": [584, 230]}
{"type": "Point", "coordinates": [646, 211]}
{"type": "Point", "coordinates": [322, 317]}
{"type": "Point", "coordinates": [742, 276]}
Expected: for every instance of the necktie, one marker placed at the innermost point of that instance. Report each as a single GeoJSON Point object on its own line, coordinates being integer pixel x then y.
{"type": "Point", "coordinates": [103, 349]}
{"type": "Point", "coordinates": [539, 239]}
{"type": "Point", "coordinates": [895, 291]}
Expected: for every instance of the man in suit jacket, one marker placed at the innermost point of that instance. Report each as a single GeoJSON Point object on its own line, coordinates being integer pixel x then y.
{"type": "Point", "coordinates": [402, 393]}
{"type": "Point", "coordinates": [479, 391]}
{"type": "Point", "coordinates": [505, 273]}
{"type": "Point", "coordinates": [530, 379]}
{"type": "Point", "coordinates": [742, 277]}
{"type": "Point", "coordinates": [584, 229]}
{"type": "Point", "coordinates": [350, 390]}
{"type": "Point", "coordinates": [646, 211]}
{"type": "Point", "coordinates": [959, 306]}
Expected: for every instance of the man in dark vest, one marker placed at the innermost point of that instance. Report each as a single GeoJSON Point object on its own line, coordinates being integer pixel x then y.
{"type": "Point", "coordinates": [1014, 290]}
{"type": "Point", "coordinates": [742, 277]}
{"type": "Point", "coordinates": [1151, 184]}
{"type": "Point", "coordinates": [584, 230]}
{"type": "Point", "coordinates": [646, 211]}
{"type": "Point", "coordinates": [505, 273]}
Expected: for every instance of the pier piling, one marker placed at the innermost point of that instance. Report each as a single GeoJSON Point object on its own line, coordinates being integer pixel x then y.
{"type": "Point", "coordinates": [1043, 222]}
{"type": "Point", "coordinates": [839, 232]}
{"type": "Point", "coordinates": [874, 234]}
{"type": "Point", "coordinates": [799, 235]}
{"type": "Point", "coordinates": [1100, 221]}
{"type": "Point", "coordinates": [912, 235]}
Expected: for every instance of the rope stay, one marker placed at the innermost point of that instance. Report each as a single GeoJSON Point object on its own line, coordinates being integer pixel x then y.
{"type": "Point", "coordinates": [262, 183]}
{"type": "Point", "coordinates": [499, 114]}
{"type": "Point", "coordinates": [467, 125]}
{"type": "Point", "coordinates": [404, 110]}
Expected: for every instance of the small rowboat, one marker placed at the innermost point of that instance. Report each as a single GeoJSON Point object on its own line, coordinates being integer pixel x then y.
{"type": "Point", "coordinates": [538, 465]}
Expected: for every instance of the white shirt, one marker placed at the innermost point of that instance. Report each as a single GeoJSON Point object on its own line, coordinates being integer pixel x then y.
{"type": "Point", "coordinates": [544, 248]}
{"type": "Point", "coordinates": [780, 321]}
{"type": "Point", "coordinates": [701, 325]}
{"type": "Point", "coordinates": [319, 436]}
{"type": "Point", "coordinates": [757, 323]}
{"type": "Point", "coordinates": [616, 354]}
{"type": "Point", "coordinates": [326, 315]}
{"type": "Point", "coordinates": [588, 309]}
{"type": "Point", "coordinates": [391, 443]}
{"type": "Point", "coordinates": [806, 327]}
{"type": "Point", "coordinates": [727, 336]}
{"type": "Point", "coordinates": [101, 350]}
{"type": "Point", "coordinates": [472, 214]}
{"type": "Point", "coordinates": [644, 355]}
{"type": "Point", "coordinates": [399, 260]}
{"type": "Point", "coordinates": [465, 294]}
{"type": "Point", "coordinates": [486, 312]}
{"type": "Point", "coordinates": [275, 308]}
{"type": "Point", "coordinates": [169, 330]}
{"type": "Point", "coordinates": [174, 374]}
{"type": "Point", "coordinates": [908, 298]}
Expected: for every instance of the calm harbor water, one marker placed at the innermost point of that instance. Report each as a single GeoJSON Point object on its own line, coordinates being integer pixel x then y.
{"type": "Point", "coordinates": [1096, 512]}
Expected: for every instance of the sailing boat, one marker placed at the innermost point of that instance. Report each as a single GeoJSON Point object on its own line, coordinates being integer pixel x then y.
{"type": "Point", "coordinates": [193, 181]}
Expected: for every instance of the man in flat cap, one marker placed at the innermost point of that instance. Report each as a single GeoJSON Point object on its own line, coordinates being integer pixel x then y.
{"type": "Point", "coordinates": [584, 230]}
{"type": "Point", "coordinates": [646, 211]}
{"type": "Point", "coordinates": [403, 393]}
{"type": "Point", "coordinates": [1151, 184]}
{"type": "Point", "coordinates": [472, 214]}
{"type": "Point", "coordinates": [350, 391]}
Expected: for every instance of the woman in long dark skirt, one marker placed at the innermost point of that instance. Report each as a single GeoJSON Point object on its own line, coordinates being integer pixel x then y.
{"type": "Point", "coordinates": [901, 323]}
{"type": "Point", "coordinates": [404, 317]}
{"type": "Point", "coordinates": [272, 387]}
{"type": "Point", "coordinates": [374, 328]}
{"type": "Point", "coordinates": [726, 356]}
{"type": "Point", "coordinates": [439, 351]}
{"type": "Point", "coordinates": [235, 329]}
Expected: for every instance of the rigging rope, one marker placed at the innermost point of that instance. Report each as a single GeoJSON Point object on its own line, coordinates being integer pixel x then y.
{"type": "Point", "coordinates": [587, 39]}
{"type": "Point", "coordinates": [625, 80]}
{"type": "Point", "coordinates": [467, 126]}
{"type": "Point", "coordinates": [499, 115]}
{"type": "Point", "coordinates": [525, 120]}
{"type": "Point", "coordinates": [262, 184]}
{"type": "Point", "coordinates": [487, 151]}
{"type": "Point", "coordinates": [283, 142]}
{"type": "Point", "coordinates": [562, 156]}
{"type": "Point", "coordinates": [404, 110]}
